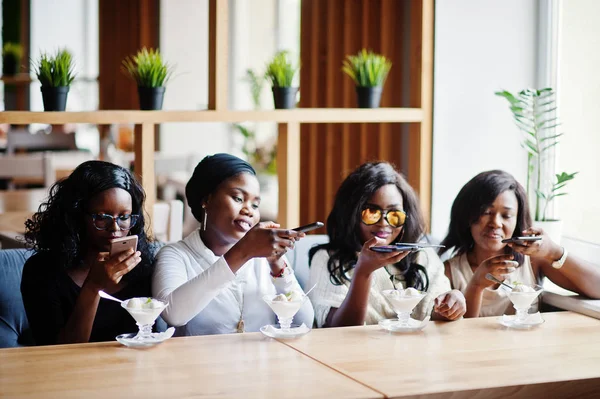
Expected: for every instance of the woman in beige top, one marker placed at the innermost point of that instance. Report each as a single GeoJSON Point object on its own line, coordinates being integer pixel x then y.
{"type": "Point", "coordinates": [491, 207]}
{"type": "Point", "coordinates": [375, 206]}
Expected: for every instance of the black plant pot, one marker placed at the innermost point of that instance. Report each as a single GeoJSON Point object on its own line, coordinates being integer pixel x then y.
{"type": "Point", "coordinates": [368, 97]}
{"type": "Point", "coordinates": [55, 98]}
{"type": "Point", "coordinates": [285, 97]}
{"type": "Point", "coordinates": [9, 66]}
{"type": "Point", "coordinates": [151, 98]}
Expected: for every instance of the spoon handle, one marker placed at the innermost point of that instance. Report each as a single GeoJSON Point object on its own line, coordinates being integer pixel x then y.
{"type": "Point", "coordinates": [106, 296]}
{"type": "Point", "coordinates": [490, 277]}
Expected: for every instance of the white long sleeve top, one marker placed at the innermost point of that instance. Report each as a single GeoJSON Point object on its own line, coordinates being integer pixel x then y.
{"type": "Point", "coordinates": [206, 297]}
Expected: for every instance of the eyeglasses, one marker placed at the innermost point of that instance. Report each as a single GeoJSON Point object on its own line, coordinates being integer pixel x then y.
{"type": "Point", "coordinates": [372, 215]}
{"type": "Point", "coordinates": [103, 221]}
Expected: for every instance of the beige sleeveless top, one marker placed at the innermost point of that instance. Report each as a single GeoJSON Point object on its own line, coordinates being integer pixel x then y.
{"type": "Point", "coordinates": [494, 302]}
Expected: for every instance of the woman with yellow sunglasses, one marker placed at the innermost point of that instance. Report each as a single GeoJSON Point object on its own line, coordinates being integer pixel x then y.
{"type": "Point", "coordinates": [375, 206]}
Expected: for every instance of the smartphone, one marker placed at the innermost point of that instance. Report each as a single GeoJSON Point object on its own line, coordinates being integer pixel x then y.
{"type": "Point", "coordinates": [518, 240]}
{"type": "Point", "coordinates": [119, 245]}
{"type": "Point", "coordinates": [418, 245]}
{"type": "Point", "coordinates": [394, 248]}
{"type": "Point", "coordinates": [309, 227]}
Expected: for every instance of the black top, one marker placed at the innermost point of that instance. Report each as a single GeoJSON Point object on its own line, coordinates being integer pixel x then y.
{"type": "Point", "coordinates": [49, 296]}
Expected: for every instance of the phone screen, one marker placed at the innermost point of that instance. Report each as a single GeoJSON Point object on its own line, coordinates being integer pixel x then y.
{"type": "Point", "coordinates": [309, 227]}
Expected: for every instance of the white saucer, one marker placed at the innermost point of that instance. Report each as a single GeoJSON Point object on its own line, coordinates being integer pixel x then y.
{"type": "Point", "coordinates": [393, 325]}
{"type": "Point", "coordinates": [296, 331]}
{"type": "Point", "coordinates": [157, 338]}
{"type": "Point", "coordinates": [533, 320]}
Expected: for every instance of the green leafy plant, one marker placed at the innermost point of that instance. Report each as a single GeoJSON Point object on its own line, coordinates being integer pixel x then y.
{"type": "Point", "coordinates": [12, 50]}
{"type": "Point", "coordinates": [256, 83]}
{"type": "Point", "coordinates": [147, 68]}
{"type": "Point", "coordinates": [367, 69]}
{"type": "Point", "coordinates": [534, 113]}
{"type": "Point", "coordinates": [280, 70]}
{"type": "Point", "coordinates": [55, 70]}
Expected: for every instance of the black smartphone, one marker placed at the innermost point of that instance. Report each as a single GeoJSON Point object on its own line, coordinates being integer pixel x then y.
{"type": "Point", "coordinates": [394, 248]}
{"type": "Point", "coordinates": [518, 240]}
{"type": "Point", "coordinates": [309, 227]}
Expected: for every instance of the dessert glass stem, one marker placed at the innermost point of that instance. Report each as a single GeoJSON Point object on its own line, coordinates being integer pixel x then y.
{"type": "Point", "coordinates": [403, 318]}
{"type": "Point", "coordinates": [522, 314]}
{"type": "Point", "coordinates": [285, 324]}
{"type": "Point", "coordinates": [145, 331]}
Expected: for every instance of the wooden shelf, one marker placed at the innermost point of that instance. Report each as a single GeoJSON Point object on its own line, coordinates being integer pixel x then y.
{"type": "Point", "coordinates": [17, 79]}
{"type": "Point", "coordinates": [308, 115]}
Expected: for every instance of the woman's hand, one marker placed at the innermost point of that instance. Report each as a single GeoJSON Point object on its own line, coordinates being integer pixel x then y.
{"type": "Point", "coordinates": [451, 305]}
{"type": "Point", "coordinates": [266, 240]}
{"type": "Point", "coordinates": [541, 249]}
{"type": "Point", "coordinates": [499, 266]}
{"type": "Point", "coordinates": [369, 261]}
{"type": "Point", "coordinates": [106, 273]}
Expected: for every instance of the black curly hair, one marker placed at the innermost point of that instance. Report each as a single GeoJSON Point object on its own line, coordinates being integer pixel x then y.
{"type": "Point", "coordinates": [58, 225]}
{"type": "Point", "coordinates": [343, 223]}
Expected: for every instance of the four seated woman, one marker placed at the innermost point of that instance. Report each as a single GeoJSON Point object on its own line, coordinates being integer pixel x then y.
{"type": "Point", "coordinates": [215, 278]}
{"type": "Point", "coordinates": [492, 207]}
{"type": "Point", "coordinates": [71, 235]}
{"type": "Point", "coordinates": [376, 206]}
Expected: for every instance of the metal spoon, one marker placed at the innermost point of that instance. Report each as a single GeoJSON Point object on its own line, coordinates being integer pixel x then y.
{"type": "Point", "coordinates": [106, 296]}
{"type": "Point", "coordinates": [490, 277]}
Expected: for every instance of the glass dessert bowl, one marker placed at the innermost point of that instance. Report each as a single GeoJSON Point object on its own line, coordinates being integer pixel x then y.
{"type": "Point", "coordinates": [144, 311]}
{"type": "Point", "coordinates": [522, 296]}
{"type": "Point", "coordinates": [403, 302]}
{"type": "Point", "coordinates": [285, 307]}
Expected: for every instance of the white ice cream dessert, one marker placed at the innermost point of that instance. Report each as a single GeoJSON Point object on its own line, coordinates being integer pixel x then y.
{"type": "Point", "coordinates": [144, 310]}
{"type": "Point", "coordinates": [403, 300]}
{"type": "Point", "coordinates": [287, 305]}
{"type": "Point", "coordinates": [522, 295]}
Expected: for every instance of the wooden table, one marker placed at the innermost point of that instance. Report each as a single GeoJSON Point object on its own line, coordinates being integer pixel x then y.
{"type": "Point", "coordinates": [226, 366]}
{"type": "Point", "coordinates": [468, 358]}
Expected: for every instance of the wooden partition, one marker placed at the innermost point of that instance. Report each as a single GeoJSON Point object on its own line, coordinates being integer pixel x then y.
{"type": "Point", "coordinates": [329, 31]}
{"type": "Point", "coordinates": [319, 143]}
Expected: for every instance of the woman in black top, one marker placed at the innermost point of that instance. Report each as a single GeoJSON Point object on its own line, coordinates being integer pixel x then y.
{"type": "Point", "coordinates": [71, 235]}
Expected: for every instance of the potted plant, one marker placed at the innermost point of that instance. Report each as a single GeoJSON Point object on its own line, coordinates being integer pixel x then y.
{"type": "Point", "coordinates": [280, 72]}
{"type": "Point", "coordinates": [11, 58]}
{"type": "Point", "coordinates": [369, 72]}
{"type": "Point", "coordinates": [534, 113]}
{"type": "Point", "coordinates": [151, 73]}
{"type": "Point", "coordinates": [55, 74]}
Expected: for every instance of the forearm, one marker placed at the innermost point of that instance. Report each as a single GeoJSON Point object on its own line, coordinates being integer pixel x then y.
{"type": "Point", "coordinates": [473, 296]}
{"type": "Point", "coordinates": [78, 328]}
{"type": "Point", "coordinates": [353, 310]}
{"type": "Point", "coordinates": [237, 257]}
{"type": "Point", "coordinates": [584, 276]}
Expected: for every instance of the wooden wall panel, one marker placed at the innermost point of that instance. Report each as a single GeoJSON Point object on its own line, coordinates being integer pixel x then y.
{"type": "Point", "coordinates": [124, 28]}
{"type": "Point", "coordinates": [329, 31]}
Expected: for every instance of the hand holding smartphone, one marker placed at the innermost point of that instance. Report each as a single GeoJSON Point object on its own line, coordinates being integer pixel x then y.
{"type": "Point", "coordinates": [309, 227]}
{"type": "Point", "coordinates": [120, 245]}
{"type": "Point", "coordinates": [521, 240]}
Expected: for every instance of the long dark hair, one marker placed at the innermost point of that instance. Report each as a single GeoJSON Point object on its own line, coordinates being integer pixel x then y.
{"type": "Point", "coordinates": [343, 223]}
{"type": "Point", "coordinates": [58, 226]}
{"type": "Point", "coordinates": [472, 201]}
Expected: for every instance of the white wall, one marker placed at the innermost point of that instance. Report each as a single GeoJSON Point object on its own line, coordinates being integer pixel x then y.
{"type": "Point", "coordinates": [184, 44]}
{"type": "Point", "coordinates": [579, 85]}
{"type": "Point", "coordinates": [481, 46]}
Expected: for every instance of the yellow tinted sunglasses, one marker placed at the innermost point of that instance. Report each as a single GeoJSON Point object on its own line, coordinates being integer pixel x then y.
{"type": "Point", "coordinates": [394, 217]}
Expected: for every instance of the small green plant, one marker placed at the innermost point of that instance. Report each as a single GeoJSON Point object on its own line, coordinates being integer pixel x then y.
{"type": "Point", "coordinates": [147, 68]}
{"type": "Point", "coordinates": [534, 113]}
{"type": "Point", "coordinates": [280, 70]}
{"type": "Point", "coordinates": [367, 69]}
{"type": "Point", "coordinates": [256, 83]}
{"type": "Point", "coordinates": [13, 51]}
{"type": "Point", "coordinates": [56, 70]}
